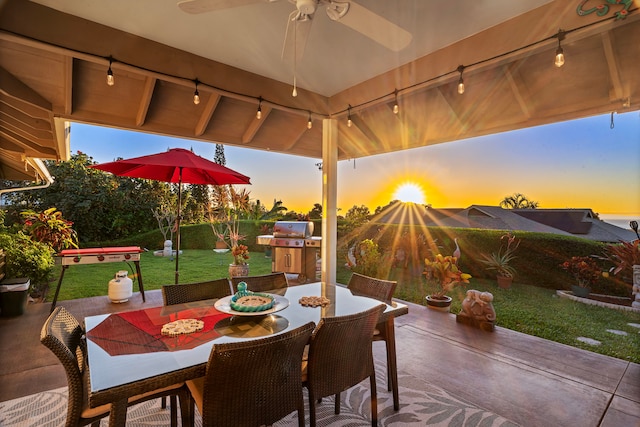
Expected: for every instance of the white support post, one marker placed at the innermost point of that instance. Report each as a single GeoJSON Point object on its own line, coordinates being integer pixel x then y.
{"type": "Point", "coordinates": [329, 199]}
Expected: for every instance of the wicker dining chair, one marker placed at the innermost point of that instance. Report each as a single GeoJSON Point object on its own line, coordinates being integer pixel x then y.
{"type": "Point", "coordinates": [64, 336]}
{"type": "Point", "coordinates": [382, 290]}
{"type": "Point", "coordinates": [341, 356]}
{"type": "Point", "coordinates": [262, 283]}
{"type": "Point", "coordinates": [188, 292]}
{"type": "Point", "coordinates": [253, 383]}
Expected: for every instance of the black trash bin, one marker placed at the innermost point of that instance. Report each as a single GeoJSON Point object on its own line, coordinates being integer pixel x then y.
{"type": "Point", "coordinates": [13, 296]}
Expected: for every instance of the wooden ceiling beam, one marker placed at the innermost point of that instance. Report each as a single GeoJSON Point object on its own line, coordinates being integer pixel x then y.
{"type": "Point", "coordinates": [67, 85]}
{"type": "Point", "coordinates": [255, 125]}
{"type": "Point", "coordinates": [44, 151]}
{"type": "Point", "coordinates": [459, 123]}
{"type": "Point", "coordinates": [207, 113]}
{"type": "Point", "coordinates": [37, 123]}
{"type": "Point", "coordinates": [296, 140]}
{"type": "Point", "coordinates": [145, 100]}
{"type": "Point", "coordinates": [612, 64]}
{"type": "Point", "coordinates": [14, 88]}
{"type": "Point", "coordinates": [21, 127]}
{"type": "Point", "coordinates": [518, 88]}
{"type": "Point", "coordinates": [25, 108]}
{"type": "Point", "coordinates": [359, 123]}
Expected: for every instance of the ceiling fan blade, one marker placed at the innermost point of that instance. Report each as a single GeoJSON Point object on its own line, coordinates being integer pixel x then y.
{"type": "Point", "coordinates": [374, 26]}
{"type": "Point", "coordinates": [203, 6]}
{"type": "Point", "coordinates": [296, 36]}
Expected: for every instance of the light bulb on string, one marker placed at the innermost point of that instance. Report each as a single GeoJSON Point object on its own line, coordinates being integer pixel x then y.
{"type": "Point", "coordinates": [460, 81]}
{"type": "Point", "coordinates": [559, 61]}
{"type": "Point", "coordinates": [110, 79]}
{"type": "Point", "coordinates": [196, 94]}
{"type": "Point", "coordinates": [349, 122]}
{"type": "Point", "coordinates": [309, 123]}
{"type": "Point", "coordinates": [395, 105]}
{"type": "Point", "coordinates": [259, 112]}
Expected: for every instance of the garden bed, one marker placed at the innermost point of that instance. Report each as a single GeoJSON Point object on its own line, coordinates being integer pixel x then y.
{"type": "Point", "coordinates": [618, 303]}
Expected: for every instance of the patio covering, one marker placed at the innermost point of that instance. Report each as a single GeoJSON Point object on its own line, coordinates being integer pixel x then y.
{"type": "Point", "coordinates": [54, 56]}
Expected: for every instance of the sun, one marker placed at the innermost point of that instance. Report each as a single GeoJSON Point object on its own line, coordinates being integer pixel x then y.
{"type": "Point", "coordinates": [409, 192]}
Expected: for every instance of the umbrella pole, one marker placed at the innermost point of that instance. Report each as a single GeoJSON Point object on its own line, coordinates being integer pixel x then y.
{"type": "Point", "coordinates": [178, 227]}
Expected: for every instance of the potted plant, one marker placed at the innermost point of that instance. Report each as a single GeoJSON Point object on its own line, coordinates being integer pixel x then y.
{"type": "Point", "coordinates": [227, 207]}
{"type": "Point", "coordinates": [443, 272]}
{"type": "Point", "coordinates": [585, 271]}
{"type": "Point", "coordinates": [500, 262]}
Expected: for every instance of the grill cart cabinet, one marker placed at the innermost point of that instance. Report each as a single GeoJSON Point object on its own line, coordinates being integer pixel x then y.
{"type": "Point", "coordinates": [294, 249]}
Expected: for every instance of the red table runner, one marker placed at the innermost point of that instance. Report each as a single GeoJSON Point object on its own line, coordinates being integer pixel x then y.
{"type": "Point", "coordinates": [138, 332]}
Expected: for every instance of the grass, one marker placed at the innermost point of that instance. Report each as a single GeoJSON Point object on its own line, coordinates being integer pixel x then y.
{"type": "Point", "coordinates": [524, 308]}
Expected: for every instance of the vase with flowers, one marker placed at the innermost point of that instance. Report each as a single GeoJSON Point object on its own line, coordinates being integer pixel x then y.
{"type": "Point", "coordinates": [240, 267]}
{"type": "Point", "coordinates": [444, 273]}
{"type": "Point", "coordinates": [586, 273]}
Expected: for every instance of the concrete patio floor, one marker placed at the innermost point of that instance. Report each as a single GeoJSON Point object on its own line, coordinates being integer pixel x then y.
{"type": "Point", "coordinates": [529, 380]}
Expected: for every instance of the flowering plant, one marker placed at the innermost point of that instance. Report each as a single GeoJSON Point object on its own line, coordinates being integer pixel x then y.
{"type": "Point", "coordinates": [584, 269]}
{"type": "Point", "coordinates": [444, 270]}
{"type": "Point", "coordinates": [240, 254]}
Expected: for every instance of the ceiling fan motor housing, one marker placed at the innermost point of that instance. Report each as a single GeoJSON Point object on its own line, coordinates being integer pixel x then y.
{"type": "Point", "coordinates": [306, 7]}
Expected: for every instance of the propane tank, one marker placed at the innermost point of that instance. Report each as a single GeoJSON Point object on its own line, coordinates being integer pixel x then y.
{"type": "Point", "coordinates": [120, 287]}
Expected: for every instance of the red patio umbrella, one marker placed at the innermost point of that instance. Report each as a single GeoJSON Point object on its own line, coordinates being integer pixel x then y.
{"type": "Point", "coordinates": [176, 165]}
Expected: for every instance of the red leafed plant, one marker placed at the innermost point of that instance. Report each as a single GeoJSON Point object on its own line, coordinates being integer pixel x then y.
{"type": "Point", "coordinates": [51, 228]}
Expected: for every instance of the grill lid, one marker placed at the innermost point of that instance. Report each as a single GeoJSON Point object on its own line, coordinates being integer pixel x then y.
{"type": "Point", "coordinates": [293, 229]}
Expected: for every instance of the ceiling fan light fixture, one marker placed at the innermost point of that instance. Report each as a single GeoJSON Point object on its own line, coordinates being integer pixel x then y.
{"type": "Point", "coordinates": [336, 10]}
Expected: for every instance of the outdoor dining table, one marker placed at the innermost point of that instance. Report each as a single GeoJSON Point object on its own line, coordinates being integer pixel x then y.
{"type": "Point", "coordinates": [128, 355]}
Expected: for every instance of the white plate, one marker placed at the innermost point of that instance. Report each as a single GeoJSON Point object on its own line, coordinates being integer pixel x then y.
{"type": "Point", "coordinates": [224, 305]}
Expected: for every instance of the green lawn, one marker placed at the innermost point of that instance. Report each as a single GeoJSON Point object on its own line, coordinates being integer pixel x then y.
{"type": "Point", "coordinates": [524, 308]}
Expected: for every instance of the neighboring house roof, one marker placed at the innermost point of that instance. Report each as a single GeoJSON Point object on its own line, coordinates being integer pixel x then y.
{"type": "Point", "coordinates": [567, 222]}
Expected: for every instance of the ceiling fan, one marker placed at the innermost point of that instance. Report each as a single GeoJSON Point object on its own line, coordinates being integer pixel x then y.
{"type": "Point", "coordinates": [349, 13]}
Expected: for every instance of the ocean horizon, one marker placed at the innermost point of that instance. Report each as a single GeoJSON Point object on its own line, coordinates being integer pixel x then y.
{"type": "Point", "coordinates": [620, 220]}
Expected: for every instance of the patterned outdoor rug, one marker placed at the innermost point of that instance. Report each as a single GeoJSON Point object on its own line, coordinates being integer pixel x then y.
{"type": "Point", "coordinates": [420, 404]}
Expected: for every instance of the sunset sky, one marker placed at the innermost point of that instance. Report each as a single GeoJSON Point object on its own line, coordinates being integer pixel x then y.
{"type": "Point", "coordinates": [577, 164]}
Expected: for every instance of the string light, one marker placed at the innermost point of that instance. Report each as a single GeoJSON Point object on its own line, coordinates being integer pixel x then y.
{"type": "Point", "coordinates": [395, 105]}
{"type": "Point", "coordinates": [460, 81]}
{"type": "Point", "coordinates": [110, 79]}
{"type": "Point", "coordinates": [559, 62]}
{"type": "Point", "coordinates": [196, 94]}
{"type": "Point", "coordinates": [309, 123]}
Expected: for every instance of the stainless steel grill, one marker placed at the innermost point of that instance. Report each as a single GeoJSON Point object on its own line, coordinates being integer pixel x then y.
{"type": "Point", "coordinates": [294, 248]}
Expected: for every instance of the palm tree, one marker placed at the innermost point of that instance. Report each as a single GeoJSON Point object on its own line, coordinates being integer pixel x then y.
{"type": "Point", "coordinates": [518, 201]}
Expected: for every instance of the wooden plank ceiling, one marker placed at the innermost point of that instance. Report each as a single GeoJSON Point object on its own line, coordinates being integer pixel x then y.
{"type": "Point", "coordinates": [53, 69]}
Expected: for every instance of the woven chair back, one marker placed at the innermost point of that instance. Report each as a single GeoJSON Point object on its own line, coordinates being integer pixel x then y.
{"type": "Point", "coordinates": [63, 335]}
{"type": "Point", "coordinates": [188, 292]}
{"type": "Point", "coordinates": [255, 382]}
{"type": "Point", "coordinates": [262, 283]}
{"type": "Point", "coordinates": [380, 289]}
{"type": "Point", "coordinates": [340, 352]}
